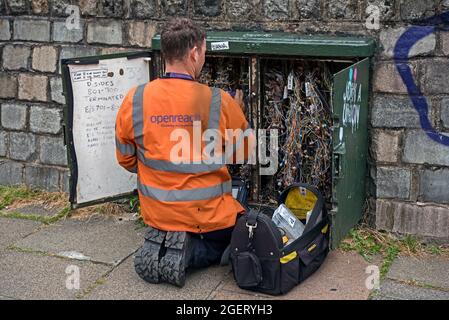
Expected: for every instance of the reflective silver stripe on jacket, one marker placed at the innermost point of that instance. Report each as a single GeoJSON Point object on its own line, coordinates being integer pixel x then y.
{"type": "Point", "coordinates": [163, 165]}
{"type": "Point", "coordinates": [185, 195]}
{"type": "Point", "coordinates": [166, 165]}
{"type": "Point", "coordinates": [215, 108]}
{"type": "Point", "coordinates": [125, 148]}
{"type": "Point", "coordinates": [138, 116]}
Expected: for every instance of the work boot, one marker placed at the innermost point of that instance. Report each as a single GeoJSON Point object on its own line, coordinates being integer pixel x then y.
{"type": "Point", "coordinates": [173, 265]}
{"type": "Point", "coordinates": [147, 259]}
{"type": "Point", "coordinates": [224, 261]}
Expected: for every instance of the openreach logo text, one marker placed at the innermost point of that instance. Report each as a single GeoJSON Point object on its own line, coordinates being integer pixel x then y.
{"type": "Point", "coordinates": [175, 119]}
{"type": "Point", "coordinates": [236, 146]}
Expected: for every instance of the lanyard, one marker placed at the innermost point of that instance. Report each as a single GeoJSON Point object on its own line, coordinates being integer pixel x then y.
{"type": "Point", "coordinates": [175, 75]}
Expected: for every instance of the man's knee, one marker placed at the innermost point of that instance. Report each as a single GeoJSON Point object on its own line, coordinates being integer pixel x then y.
{"type": "Point", "coordinates": [209, 249]}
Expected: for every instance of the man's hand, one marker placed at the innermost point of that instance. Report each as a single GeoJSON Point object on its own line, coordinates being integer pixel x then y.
{"type": "Point", "coordinates": [239, 99]}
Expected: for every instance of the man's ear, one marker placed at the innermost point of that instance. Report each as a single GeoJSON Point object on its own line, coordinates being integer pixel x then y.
{"type": "Point", "coordinates": [194, 55]}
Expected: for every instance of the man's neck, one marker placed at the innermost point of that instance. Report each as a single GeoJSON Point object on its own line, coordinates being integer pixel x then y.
{"type": "Point", "coordinates": [179, 68]}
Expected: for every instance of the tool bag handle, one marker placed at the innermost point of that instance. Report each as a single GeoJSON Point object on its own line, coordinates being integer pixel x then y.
{"type": "Point", "coordinates": [251, 218]}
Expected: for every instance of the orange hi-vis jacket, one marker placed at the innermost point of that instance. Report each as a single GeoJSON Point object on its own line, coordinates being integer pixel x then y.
{"type": "Point", "coordinates": [192, 195]}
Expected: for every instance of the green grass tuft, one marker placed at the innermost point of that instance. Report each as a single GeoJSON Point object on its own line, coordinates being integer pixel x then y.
{"type": "Point", "coordinates": [46, 220]}
{"type": "Point", "coordinates": [370, 243]}
{"type": "Point", "coordinates": [10, 194]}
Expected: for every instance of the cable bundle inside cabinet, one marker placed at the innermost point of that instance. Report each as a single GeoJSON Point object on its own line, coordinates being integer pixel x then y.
{"type": "Point", "coordinates": [296, 95]}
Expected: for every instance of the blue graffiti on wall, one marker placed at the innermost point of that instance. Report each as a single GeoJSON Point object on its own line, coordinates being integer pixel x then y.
{"type": "Point", "coordinates": [401, 51]}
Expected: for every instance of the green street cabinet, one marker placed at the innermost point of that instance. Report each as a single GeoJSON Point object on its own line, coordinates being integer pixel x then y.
{"type": "Point", "coordinates": [95, 86]}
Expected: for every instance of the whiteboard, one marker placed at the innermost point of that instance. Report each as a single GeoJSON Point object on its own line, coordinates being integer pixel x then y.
{"type": "Point", "coordinates": [97, 93]}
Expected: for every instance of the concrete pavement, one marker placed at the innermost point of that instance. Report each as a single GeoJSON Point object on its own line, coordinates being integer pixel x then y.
{"type": "Point", "coordinates": [412, 278]}
{"type": "Point", "coordinates": [39, 261]}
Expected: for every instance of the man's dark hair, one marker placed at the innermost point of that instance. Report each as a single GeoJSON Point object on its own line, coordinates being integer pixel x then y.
{"type": "Point", "coordinates": [178, 36]}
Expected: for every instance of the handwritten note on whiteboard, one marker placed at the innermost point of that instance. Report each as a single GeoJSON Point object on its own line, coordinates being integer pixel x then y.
{"type": "Point", "coordinates": [98, 91]}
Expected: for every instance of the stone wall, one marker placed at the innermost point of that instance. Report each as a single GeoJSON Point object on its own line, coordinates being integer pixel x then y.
{"type": "Point", "coordinates": [408, 187]}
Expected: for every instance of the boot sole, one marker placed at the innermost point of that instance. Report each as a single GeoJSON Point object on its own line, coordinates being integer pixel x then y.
{"type": "Point", "coordinates": [146, 261]}
{"type": "Point", "coordinates": [172, 266]}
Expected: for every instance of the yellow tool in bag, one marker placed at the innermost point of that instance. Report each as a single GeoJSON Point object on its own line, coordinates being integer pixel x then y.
{"type": "Point", "coordinates": [300, 200]}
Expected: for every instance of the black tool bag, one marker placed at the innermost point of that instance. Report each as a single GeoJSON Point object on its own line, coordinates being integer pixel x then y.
{"type": "Point", "coordinates": [261, 262]}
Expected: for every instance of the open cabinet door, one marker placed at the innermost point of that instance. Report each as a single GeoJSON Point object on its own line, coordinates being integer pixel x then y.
{"type": "Point", "coordinates": [350, 147]}
{"type": "Point", "coordinates": [94, 88]}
